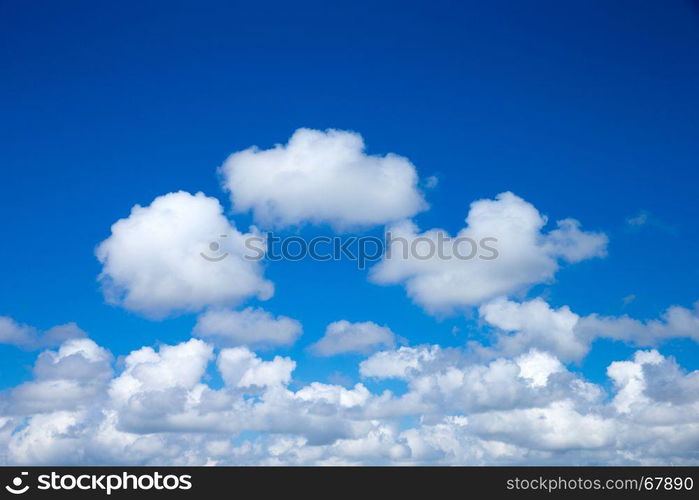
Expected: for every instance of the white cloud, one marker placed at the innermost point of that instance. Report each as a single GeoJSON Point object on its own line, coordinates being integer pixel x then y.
{"type": "Point", "coordinates": [47, 439]}
{"type": "Point", "coordinates": [153, 264]}
{"type": "Point", "coordinates": [629, 378]}
{"type": "Point", "coordinates": [399, 363]}
{"type": "Point", "coordinates": [571, 244]}
{"type": "Point", "coordinates": [537, 367]}
{"type": "Point", "coordinates": [558, 427]}
{"type": "Point", "coordinates": [667, 382]}
{"type": "Point", "coordinates": [252, 327]}
{"type": "Point", "coordinates": [322, 177]}
{"type": "Point", "coordinates": [345, 337]}
{"type": "Point", "coordinates": [534, 324]}
{"type": "Point", "coordinates": [335, 394]}
{"type": "Point", "coordinates": [675, 322]}
{"type": "Point", "coordinates": [524, 410]}
{"type": "Point", "coordinates": [30, 338]}
{"type": "Point", "coordinates": [146, 370]}
{"type": "Point", "coordinates": [524, 255]}
{"type": "Point", "coordinates": [74, 376]}
{"type": "Point", "coordinates": [241, 368]}
{"type": "Point", "coordinates": [76, 359]}
{"type": "Point", "coordinates": [441, 380]}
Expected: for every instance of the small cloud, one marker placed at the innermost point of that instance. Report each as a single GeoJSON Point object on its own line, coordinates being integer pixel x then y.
{"type": "Point", "coordinates": [645, 219]}
{"type": "Point", "coordinates": [638, 220]}
{"type": "Point", "coordinates": [628, 299]}
{"type": "Point", "coordinates": [364, 338]}
{"type": "Point", "coordinates": [30, 338]}
{"type": "Point", "coordinates": [252, 327]}
{"type": "Point", "coordinates": [431, 182]}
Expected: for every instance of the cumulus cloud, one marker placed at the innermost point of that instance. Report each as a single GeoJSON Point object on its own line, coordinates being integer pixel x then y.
{"type": "Point", "coordinates": [335, 394]}
{"type": "Point", "coordinates": [556, 427]}
{"type": "Point", "coordinates": [509, 403]}
{"type": "Point", "coordinates": [399, 363]}
{"type": "Point", "coordinates": [446, 278]}
{"type": "Point", "coordinates": [322, 178]}
{"type": "Point", "coordinates": [240, 367]}
{"type": "Point", "coordinates": [537, 367]}
{"type": "Point", "coordinates": [179, 366]}
{"type": "Point", "coordinates": [344, 337]}
{"type": "Point", "coordinates": [535, 324]}
{"type": "Point", "coordinates": [252, 327]}
{"type": "Point", "coordinates": [526, 409]}
{"type": "Point", "coordinates": [71, 377]}
{"type": "Point", "coordinates": [76, 359]}
{"type": "Point", "coordinates": [448, 381]}
{"type": "Point", "coordinates": [31, 338]}
{"type": "Point", "coordinates": [629, 378]}
{"type": "Point", "coordinates": [153, 260]}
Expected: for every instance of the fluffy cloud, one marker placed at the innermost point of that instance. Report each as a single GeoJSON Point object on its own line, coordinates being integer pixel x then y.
{"type": "Point", "coordinates": [71, 377]}
{"type": "Point", "coordinates": [442, 380]}
{"type": "Point", "coordinates": [399, 363]}
{"type": "Point", "coordinates": [439, 276]}
{"type": "Point", "coordinates": [241, 368]}
{"type": "Point", "coordinates": [153, 261]}
{"type": "Point", "coordinates": [556, 427]}
{"type": "Point", "coordinates": [30, 338]}
{"type": "Point", "coordinates": [675, 322]}
{"type": "Point", "coordinates": [179, 366]}
{"type": "Point", "coordinates": [345, 337]}
{"type": "Point", "coordinates": [322, 177]}
{"type": "Point", "coordinates": [335, 394]}
{"type": "Point", "coordinates": [251, 327]}
{"type": "Point", "coordinates": [535, 324]}
{"type": "Point", "coordinates": [537, 367]}
{"type": "Point", "coordinates": [526, 409]}
{"type": "Point", "coordinates": [76, 359]}
{"type": "Point", "coordinates": [629, 378]}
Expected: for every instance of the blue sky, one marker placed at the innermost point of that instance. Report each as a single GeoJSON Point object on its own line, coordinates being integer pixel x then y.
{"type": "Point", "coordinates": [583, 109]}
